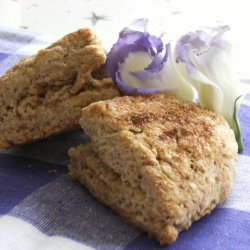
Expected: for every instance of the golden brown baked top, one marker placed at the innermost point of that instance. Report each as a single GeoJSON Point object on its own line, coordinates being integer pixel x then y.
{"type": "Point", "coordinates": [166, 121]}
{"type": "Point", "coordinates": [57, 63]}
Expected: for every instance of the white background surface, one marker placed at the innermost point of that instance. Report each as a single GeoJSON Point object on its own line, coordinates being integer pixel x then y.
{"type": "Point", "coordinates": [58, 17]}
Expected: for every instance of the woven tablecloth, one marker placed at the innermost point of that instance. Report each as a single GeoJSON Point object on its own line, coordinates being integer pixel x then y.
{"type": "Point", "coordinates": [40, 208]}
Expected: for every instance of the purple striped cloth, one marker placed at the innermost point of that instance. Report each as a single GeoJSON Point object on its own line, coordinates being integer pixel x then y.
{"type": "Point", "coordinates": [40, 208]}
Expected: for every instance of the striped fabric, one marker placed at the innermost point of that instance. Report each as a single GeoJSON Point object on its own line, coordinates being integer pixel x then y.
{"type": "Point", "coordinates": [40, 208]}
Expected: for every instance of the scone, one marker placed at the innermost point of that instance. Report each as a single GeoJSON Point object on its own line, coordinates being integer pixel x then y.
{"type": "Point", "coordinates": [158, 161]}
{"type": "Point", "coordinates": [44, 94]}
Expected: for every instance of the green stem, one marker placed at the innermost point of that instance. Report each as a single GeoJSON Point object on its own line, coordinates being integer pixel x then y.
{"type": "Point", "coordinates": [236, 125]}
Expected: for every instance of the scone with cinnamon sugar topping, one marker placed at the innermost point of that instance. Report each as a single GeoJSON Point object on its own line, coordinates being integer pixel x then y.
{"type": "Point", "coordinates": [160, 162]}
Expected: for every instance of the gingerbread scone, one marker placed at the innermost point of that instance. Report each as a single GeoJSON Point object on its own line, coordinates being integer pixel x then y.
{"type": "Point", "coordinates": [159, 161]}
{"type": "Point", "coordinates": [43, 95]}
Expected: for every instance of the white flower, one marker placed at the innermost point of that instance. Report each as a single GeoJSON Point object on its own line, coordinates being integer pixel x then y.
{"type": "Point", "coordinates": [205, 61]}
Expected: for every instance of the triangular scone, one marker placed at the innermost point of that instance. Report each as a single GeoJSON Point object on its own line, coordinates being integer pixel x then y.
{"type": "Point", "coordinates": [44, 94]}
{"type": "Point", "coordinates": [171, 161]}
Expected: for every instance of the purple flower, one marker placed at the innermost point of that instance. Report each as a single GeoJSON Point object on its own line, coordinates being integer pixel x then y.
{"type": "Point", "coordinates": [138, 62]}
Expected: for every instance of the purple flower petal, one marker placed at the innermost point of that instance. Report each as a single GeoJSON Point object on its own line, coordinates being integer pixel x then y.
{"type": "Point", "coordinates": [153, 71]}
{"type": "Point", "coordinates": [199, 42]}
{"type": "Point", "coordinates": [194, 40]}
{"type": "Point", "coordinates": [156, 64]}
{"type": "Point", "coordinates": [156, 43]}
{"type": "Point", "coordinates": [128, 36]}
{"type": "Point", "coordinates": [144, 39]}
{"type": "Point", "coordinates": [117, 55]}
